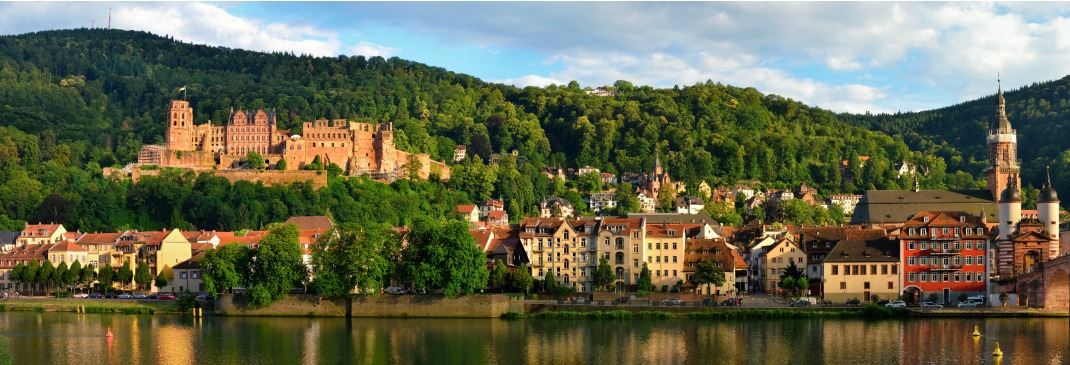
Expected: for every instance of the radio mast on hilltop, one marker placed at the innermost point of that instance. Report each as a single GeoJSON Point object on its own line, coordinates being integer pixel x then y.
{"type": "Point", "coordinates": [109, 18]}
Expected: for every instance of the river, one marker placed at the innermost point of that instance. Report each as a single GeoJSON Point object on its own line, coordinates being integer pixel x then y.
{"type": "Point", "coordinates": [68, 338]}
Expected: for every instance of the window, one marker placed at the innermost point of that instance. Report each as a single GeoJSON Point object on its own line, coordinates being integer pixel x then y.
{"type": "Point", "coordinates": [674, 273]}
{"type": "Point", "coordinates": [890, 285]}
{"type": "Point", "coordinates": [946, 277]}
{"type": "Point", "coordinates": [969, 276]}
{"type": "Point", "coordinates": [865, 285]}
{"type": "Point", "coordinates": [873, 269]}
{"type": "Point", "coordinates": [980, 231]}
{"type": "Point", "coordinates": [657, 245]}
{"type": "Point", "coordinates": [935, 277]}
{"type": "Point", "coordinates": [657, 258]}
{"type": "Point", "coordinates": [895, 269]}
{"type": "Point", "coordinates": [980, 245]}
{"type": "Point", "coordinates": [635, 262]}
{"type": "Point", "coordinates": [969, 245]}
{"type": "Point", "coordinates": [980, 260]}
{"type": "Point", "coordinates": [912, 277]}
{"type": "Point", "coordinates": [194, 274]}
{"type": "Point", "coordinates": [635, 248]}
{"type": "Point", "coordinates": [957, 277]}
{"type": "Point", "coordinates": [923, 229]}
{"type": "Point", "coordinates": [923, 277]}
{"type": "Point", "coordinates": [674, 245]}
{"type": "Point", "coordinates": [910, 261]}
{"type": "Point", "coordinates": [183, 274]}
{"type": "Point", "coordinates": [864, 270]}
{"type": "Point", "coordinates": [843, 285]}
{"type": "Point", "coordinates": [924, 245]}
{"type": "Point", "coordinates": [924, 260]}
{"type": "Point", "coordinates": [666, 258]}
{"type": "Point", "coordinates": [835, 270]}
{"type": "Point", "coordinates": [910, 245]}
{"type": "Point", "coordinates": [969, 260]}
{"type": "Point", "coordinates": [674, 259]}
{"type": "Point", "coordinates": [884, 269]}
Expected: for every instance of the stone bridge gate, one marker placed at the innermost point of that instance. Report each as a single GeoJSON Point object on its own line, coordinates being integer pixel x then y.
{"type": "Point", "coordinates": [1047, 286]}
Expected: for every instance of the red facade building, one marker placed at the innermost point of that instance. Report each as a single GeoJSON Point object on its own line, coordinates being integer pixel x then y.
{"type": "Point", "coordinates": [944, 253]}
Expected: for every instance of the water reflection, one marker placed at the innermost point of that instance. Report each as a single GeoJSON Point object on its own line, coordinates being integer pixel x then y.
{"type": "Point", "coordinates": [48, 338]}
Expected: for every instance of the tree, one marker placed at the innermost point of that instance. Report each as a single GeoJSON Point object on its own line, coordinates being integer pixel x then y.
{"type": "Point", "coordinates": [645, 281]}
{"type": "Point", "coordinates": [443, 255]}
{"type": "Point", "coordinates": [225, 268]}
{"type": "Point", "coordinates": [590, 182]}
{"type": "Point", "coordinates": [548, 282]}
{"type": "Point", "coordinates": [161, 280]}
{"type": "Point", "coordinates": [499, 276]}
{"type": "Point", "coordinates": [352, 257]}
{"type": "Point", "coordinates": [708, 272]}
{"type": "Point", "coordinates": [522, 279]}
{"type": "Point", "coordinates": [604, 276]}
{"type": "Point", "coordinates": [143, 277]}
{"type": "Point", "coordinates": [125, 275]}
{"type": "Point", "coordinates": [105, 276]}
{"type": "Point", "coordinates": [60, 276]}
{"type": "Point", "coordinates": [276, 266]}
{"type": "Point", "coordinates": [30, 273]}
{"type": "Point", "coordinates": [255, 160]}
{"type": "Point", "coordinates": [88, 275]}
{"type": "Point", "coordinates": [281, 165]}
{"type": "Point", "coordinates": [46, 275]}
{"type": "Point", "coordinates": [787, 283]}
{"type": "Point", "coordinates": [795, 274]}
{"type": "Point", "coordinates": [18, 274]}
{"type": "Point", "coordinates": [74, 273]}
{"type": "Point", "coordinates": [802, 284]}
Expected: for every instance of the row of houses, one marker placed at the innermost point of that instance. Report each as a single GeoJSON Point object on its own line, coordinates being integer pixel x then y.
{"type": "Point", "coordinates": [174, 252]}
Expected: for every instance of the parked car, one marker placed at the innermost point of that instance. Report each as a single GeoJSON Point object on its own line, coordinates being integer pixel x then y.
{"type": "Point", "coordinates": [730, 302]}
{"type": "Point", "coordinates": [166, 297]}
{"type": "Point", "coordinates": [579, 300]}
{"type": "Point", "coordinates": [854, 301]}
{"type": "Point", "coordinates": [930, 305]}
{"type": "Point", "coordinates": [621, 300]}
{"type": "Point", "coordinates": [153, 296]}
{"type": "Point", "coordinates": [883, 302]}
{"type": "Point", "coordinates": [799, 303]}
{"type": "Point", "coordinates": [81, 295]}
{"type": "Point", "coordinates": [395, 290]}
{"type": "Point", "coordinates": [110, 296]}
{"type": "Point", "coordinates": [125, 296]}
{"type": "Point", "coordinates": [95, 296]}
{"type": "Point", "coordinates": [709, 302]}
{"type": "Point", "coordinates": [139, 296]}
{"type": "Point", "coordinates": [671, 301]}
{"type": "Point", "coordinates": [896, 304]}
{"type": "Point", "coordinates": [204, 297]}
{"type": "Point", "coordinates": [969, 303]}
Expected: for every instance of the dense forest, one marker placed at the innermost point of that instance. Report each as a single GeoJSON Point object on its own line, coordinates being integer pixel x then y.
{"type": "Point", "coordinates": [74, 101]}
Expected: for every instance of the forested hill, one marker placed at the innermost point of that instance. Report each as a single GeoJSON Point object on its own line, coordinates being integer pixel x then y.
{"type": "Point", "coordinates": [1038, 112]}
{"type": "Point", "coordinates": [85, 98]}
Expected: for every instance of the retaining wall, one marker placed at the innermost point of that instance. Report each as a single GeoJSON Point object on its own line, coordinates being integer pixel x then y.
{"type": "Point", "coordinates": [300, 305]}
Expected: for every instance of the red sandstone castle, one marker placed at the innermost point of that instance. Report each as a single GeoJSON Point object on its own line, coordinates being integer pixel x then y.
{"type": "Point", "coordinates": [359, 148]}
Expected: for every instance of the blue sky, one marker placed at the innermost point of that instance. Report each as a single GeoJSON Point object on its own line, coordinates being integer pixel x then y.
{"type": "Point", "coordinates": [843, 56]}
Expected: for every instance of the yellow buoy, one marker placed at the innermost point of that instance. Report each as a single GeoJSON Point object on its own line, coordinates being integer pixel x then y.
{"type": "Point", "coordinates": [976, 333]}
{"type": "Point", "coordinates": [997, 353]}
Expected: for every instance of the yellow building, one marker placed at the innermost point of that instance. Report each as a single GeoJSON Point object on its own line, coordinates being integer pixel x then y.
{"type": "Point", "coordinates": [777, 259]}
{"type": "Point", "coordinates": [161, 250]}
{"type": "Point", "coordinates": [552, 245]}
{"type": "Point", "coordinates": [664, 253]}
{"type": "Point", "coordinates": [67, 252]}
{"type": "Point", "coordinates": [861, 269]}
{"type": "Point", "coordinates": [621, 242]}
{"type": "Point", "coordinates": [41, 234]}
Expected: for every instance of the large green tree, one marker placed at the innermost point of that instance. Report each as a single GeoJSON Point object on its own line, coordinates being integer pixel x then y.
{"type": "Point", "coordinates": [522, 279]}
{"type": "Point", "coordinates": [603, 276]}
{"type": "Point", "coordinates": [46, 275]}
{"type": "Point", "coordinates": [499, 277]}
{"type": "Point", "coordinates": [142, 276]}
{"type": "Point", "coordinates": [225, 268]}
{"type": "Point", "coordinates": [644, 284]}
{"type": "Point", "coordinates": [60, 276]}
{"type": "Point", "coordinates": [125, 275]}
{"type": "Point", "coordinates": [276, 266]}
{"type": "Point", "coordinates": [708, 272]}
{"type": "Point", "coordinates": [443, 255]}
{"type": "Point", "coordinates": [353, 258]}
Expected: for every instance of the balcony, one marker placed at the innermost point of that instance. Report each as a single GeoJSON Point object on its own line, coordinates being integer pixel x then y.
{"type": "Point", "coordinates": [945, 251]}
{"type": "Point", "coordinates": [945, 268]}
{"type": "Point", "coordinates": [947, 237]}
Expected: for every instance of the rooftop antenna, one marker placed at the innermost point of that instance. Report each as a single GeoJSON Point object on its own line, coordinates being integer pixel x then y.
{"type": "Point", "coordinates": [109, 17]}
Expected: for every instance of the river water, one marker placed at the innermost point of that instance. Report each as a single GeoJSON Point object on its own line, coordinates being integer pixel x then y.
{"type": "Point", "coordinates": [68, 338]}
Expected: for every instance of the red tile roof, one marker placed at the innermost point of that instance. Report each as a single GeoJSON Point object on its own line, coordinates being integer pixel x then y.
{"type": "Point", "coordinates": [67, 246]}
{"type": "Point", "coordinates": [311, 222]}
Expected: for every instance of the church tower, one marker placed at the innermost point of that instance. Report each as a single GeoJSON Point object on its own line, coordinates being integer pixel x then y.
{"type": "Point", "coordinates": [1002, 150]}
{"type": "Point", "coordinates": [180, 126]}
{"type": "Point", "coordinates": [1048, 209]}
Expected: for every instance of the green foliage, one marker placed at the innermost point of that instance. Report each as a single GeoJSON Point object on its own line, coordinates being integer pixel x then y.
{"type": "Point", "coordinates": [74, 274]}
{"type": "Point", "coordinates": [161, 280]}
{"type": "Point", "coordinates": [61, 274]}
{"type": "Point", "coordinates": [46, 275]}
{"type": "Point", "coordinates": [125, 275]}
{"type": "Point", "coordinates": [30, 274]}
{"type": "Point", "coordinates": [1004, 298]}
{"type": "Point", "coordinates": [106, 277]}
{"type": "Point", "coordinates": [603, 275]}
{"type": "Point", "coordinates": [644, 283]}
{"type": "Point", "coordinates": [225, 268]}
{"type": "Point", "coordinates": [933, 297]}
{"type": "Point", "coordinates": [963, 296]}
{"type": "Point", "coordinates": [708, 272]}
{"type": "Point", "coordinates": [522, 279]}
{"type": "Point", "coordinates": [185, 302]}
{"type": "Point", "coordinates": [255, 160]}
{"type": "Point", "coordinates": [142, 276]}
{"type": "Point", "coordinates": [276, 266]}
{"type": "Point", "coordinates": [353, 257]}
{"type": "Point", "coordinates": [281, 165]}
{"type": "Point", "coordinates": [499, 277]}
{"type": "Point", "coordinates": [443, 255]}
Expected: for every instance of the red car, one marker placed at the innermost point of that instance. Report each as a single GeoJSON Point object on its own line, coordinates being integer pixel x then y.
{"type": "Point", "coordinates": [166, 297]}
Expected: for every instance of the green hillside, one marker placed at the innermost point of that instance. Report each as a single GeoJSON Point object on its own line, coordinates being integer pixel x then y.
{"type": "Point", "coordinates": [79, 99]}
{"type": "Point", "coordinates": [957, 133]}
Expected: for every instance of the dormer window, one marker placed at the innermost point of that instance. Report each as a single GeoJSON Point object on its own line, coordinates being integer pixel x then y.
{"type": "Point", "coordinates": [925, 219]}
{"type": "Point", "coordinates": [962, 218]}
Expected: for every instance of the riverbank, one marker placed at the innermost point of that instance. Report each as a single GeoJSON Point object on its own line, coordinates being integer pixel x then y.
{"type": "Point", "coordinates": [125, 306]}
{"type": "Point", "coordinates": [538, 310]}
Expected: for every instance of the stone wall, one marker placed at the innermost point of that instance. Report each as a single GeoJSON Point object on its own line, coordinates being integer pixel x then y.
{"type": "Point", "coordinates": [300, 305]}
{"type": "Point", "coordinates": [275, 177]}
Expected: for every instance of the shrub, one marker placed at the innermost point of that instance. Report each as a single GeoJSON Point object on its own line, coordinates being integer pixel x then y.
{"type": "Point", "coordinates": [185, 303]}
{"type": "Point", "coordinates": [512, 315]}
{"type": "Point", "coordinates": [62, 294]}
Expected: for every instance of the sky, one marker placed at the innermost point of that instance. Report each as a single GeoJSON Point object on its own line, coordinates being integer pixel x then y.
{"type": "Point", "coordinates": [843, 56]}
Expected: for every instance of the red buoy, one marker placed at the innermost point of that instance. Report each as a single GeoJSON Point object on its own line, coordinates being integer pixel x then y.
{"type": "Point", "coordinates": [109, 332]}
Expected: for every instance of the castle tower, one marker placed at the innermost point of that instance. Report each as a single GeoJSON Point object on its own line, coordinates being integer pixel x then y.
{"type": "Point", "coordinates": [1002, 149]}
{"type": "Point", "coordinates": [1048, 209]}
{"type": "Point", "coordinates": [180, 126]}
{"type": "Point", "coordinates": [1010, 209]}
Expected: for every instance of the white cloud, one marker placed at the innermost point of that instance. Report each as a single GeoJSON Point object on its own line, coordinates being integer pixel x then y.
{"type": "Point", "coordinates": [531, 80]}
{"type": "Point", "coordinates": [369, 49]}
